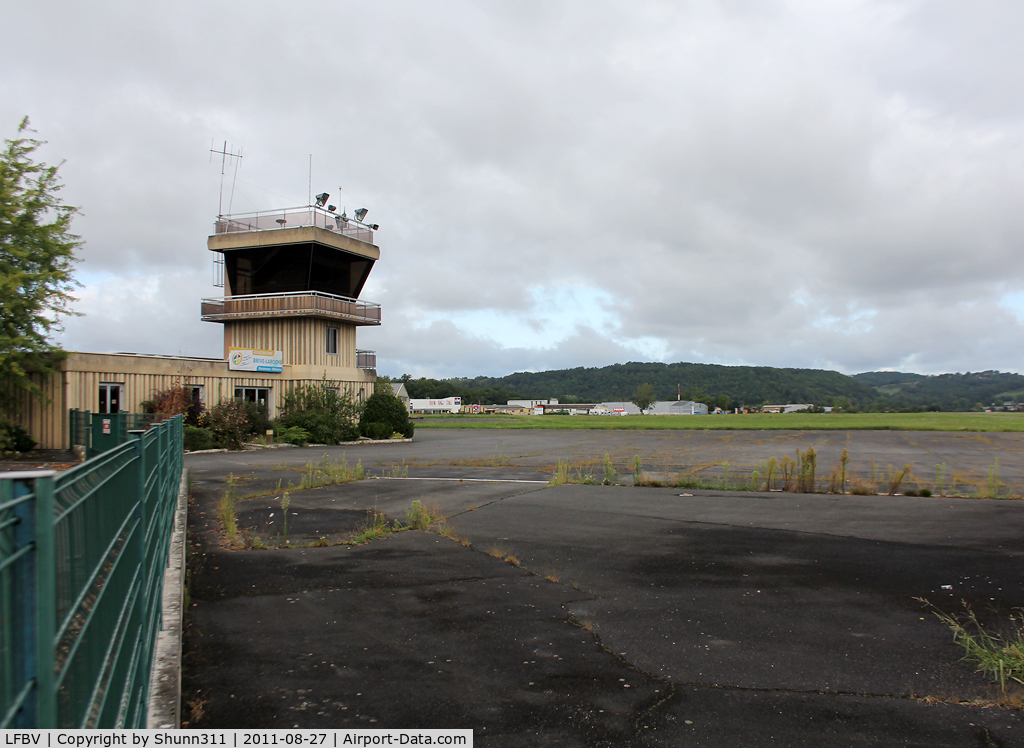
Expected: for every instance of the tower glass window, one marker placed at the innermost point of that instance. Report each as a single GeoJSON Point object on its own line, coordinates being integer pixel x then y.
{"type": "Point", "coordinates": [332, 340]}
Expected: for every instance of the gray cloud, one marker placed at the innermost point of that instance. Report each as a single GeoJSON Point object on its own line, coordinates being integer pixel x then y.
{"type": "Point", "coordinates": [796, 184]}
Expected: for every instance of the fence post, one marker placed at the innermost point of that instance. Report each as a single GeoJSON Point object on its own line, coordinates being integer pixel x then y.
{"type": "Point", "coordinates": [24, 610]}
{"type": "Point", "coordinates": [135, 435]}
{"type": "Point", "coordinates": [46, 600]}
{"type": "Point", "coordinates": [34, 616]}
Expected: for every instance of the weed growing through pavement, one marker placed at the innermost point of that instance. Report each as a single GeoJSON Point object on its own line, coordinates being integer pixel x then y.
{"type": "Point", "coordinates": [286, 500]}
{"type": "Point", "coordinates": [375, 527]}
{"type": "Point", "coordinates": [896, 478]}
{"type": "Point", "coordinates": [226, 511]}
{"type": "Point", "coordinates": [499, 459]}
{"type": "Point", "coordinates": [992, 484]}
{"type": "Point", "coordinates": [807, 464]}
{"type": "Point", "coordinates": [327, 473]}
{"type": "Point", "coordinates": [561, 475]}
{"type": "Point", "coordinates": [418, 517]}
{"type": "Point", "coordinates": [1000, 657]}
{"type": "Point", "coordinates": [638, 471]}
{"type": "Point", "coordinates": [610, 476]}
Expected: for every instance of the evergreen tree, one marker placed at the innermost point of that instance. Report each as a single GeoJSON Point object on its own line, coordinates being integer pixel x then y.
{"type": "Point", "coordinates": [37, 255]}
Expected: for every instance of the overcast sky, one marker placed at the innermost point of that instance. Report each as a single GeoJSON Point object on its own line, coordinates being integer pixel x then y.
{"type": "Point", "coordinates": [810, 184]}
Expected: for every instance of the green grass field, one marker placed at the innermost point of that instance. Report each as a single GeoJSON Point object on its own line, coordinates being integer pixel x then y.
{"type": "Point", "coordinates": [755, 421]}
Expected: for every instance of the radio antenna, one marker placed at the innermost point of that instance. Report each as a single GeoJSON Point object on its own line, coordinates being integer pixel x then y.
{"type": "Point", "coordinates": [224, 155]}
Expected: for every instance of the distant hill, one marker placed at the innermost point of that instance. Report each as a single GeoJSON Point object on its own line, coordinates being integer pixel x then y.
{"type": "Point", "coordinates": [732, 386]}
{"type": "Point", "coordinates": [944, 391]}
{"type": "Point", "coordinates": [722, 386]}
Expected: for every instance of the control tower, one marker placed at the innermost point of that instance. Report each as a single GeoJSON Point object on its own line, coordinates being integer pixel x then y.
{"type": "Point", "coordinates": [291, 306]}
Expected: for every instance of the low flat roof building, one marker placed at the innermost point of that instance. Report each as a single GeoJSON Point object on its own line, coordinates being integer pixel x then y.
{"type": "Point", "coordinates": [290, 310]}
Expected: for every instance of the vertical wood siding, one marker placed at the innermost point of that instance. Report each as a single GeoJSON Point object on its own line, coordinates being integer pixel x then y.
{"type": "Point", "coordinates": [302, 339]}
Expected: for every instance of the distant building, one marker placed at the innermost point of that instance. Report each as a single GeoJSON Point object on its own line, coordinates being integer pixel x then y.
{"type": "Point", "coordinates": [660, 408]}
{"type": "Point", "coordinates": [566, 409]}
{"type": "Point", "coordinates": [436, 405]}
{"type": "Point", "coordinates": [402, 394]}
{"type": "Point", "coordinates": [531, 404]}
{"type": "Point", "coordinates": [677, 408]}
{"type": "Point", "coordinates": [790, 408]}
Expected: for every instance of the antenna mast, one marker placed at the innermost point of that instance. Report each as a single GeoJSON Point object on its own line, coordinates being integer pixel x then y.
{"type": "Point", "coordinates": [224, 154]}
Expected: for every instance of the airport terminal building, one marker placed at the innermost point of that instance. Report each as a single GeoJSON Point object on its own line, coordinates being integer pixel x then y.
{"type": "Point", "coordinates": [290, 310]}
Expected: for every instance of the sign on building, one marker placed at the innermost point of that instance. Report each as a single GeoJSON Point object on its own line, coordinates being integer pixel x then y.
{"type": "Point", "coordinates": [254, 359]}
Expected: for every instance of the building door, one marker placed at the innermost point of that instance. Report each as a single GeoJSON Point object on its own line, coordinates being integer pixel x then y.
{"type": "Point", "coordinates": [110, 398]}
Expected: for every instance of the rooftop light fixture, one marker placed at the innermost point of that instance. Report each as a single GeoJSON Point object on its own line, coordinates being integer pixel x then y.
{"type": "Point", "coordinates": [361, 214]}
{"type": "Point", "coordinates": [321, 199]}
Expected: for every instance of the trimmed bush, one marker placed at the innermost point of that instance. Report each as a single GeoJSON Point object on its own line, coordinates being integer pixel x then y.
{"type": "Point", "coordinates": [377, 430]}
{"type": "Point", "coordinates": [196, 438]}
{"type": "Point", "coordinates": [384, 406]}
{"type": "Point", "coordinates": [294, 435]}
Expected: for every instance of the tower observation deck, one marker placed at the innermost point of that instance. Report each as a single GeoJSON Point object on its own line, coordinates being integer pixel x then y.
{"type": "Point", "coordinates": [292, 280]}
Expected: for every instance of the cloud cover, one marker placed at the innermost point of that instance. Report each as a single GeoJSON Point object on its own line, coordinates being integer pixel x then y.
{"type": "Point", "coordinates": [558, 183]}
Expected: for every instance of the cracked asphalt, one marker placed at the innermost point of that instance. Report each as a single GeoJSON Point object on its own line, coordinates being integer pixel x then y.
{"type": "Point", "coordinates": [635, 616]}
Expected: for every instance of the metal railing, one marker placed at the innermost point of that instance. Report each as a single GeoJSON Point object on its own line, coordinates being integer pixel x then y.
{"type": "Point", "coordinates": [87, 429]}
{"type": "Point", "coordinates": [290, 218]}
{"type": "Point", "coordinates": [366, 359]}
{"type": "Point", "coordinates": [298, 303]}
{"type": "Point", "coordinates": [82, 555]}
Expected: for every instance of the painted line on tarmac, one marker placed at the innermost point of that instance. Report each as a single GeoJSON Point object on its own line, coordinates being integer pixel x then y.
{"type": "Point", "coordinates": [463, 480]}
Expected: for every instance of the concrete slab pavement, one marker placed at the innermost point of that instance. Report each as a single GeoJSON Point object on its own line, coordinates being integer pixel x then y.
{"type": "Point", "coordinates": [734, 619]}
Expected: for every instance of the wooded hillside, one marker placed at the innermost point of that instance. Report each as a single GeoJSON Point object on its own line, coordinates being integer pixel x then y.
{"type": "Point", "coordinates": [732, 386]}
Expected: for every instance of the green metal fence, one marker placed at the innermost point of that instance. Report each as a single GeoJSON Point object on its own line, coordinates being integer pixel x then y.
{"type": "Point", "coordinates": [82, 556]}
{"type": "Point", "coordinates": [98, 432]}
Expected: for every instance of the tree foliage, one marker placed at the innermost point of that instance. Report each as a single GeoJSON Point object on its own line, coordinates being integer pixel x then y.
{"type": "Point", "coordinates": [644, 397]}
{"type": "Point", "coordinates": [37, 255]}
{"type": "Point", "coordinates": [385, 407]}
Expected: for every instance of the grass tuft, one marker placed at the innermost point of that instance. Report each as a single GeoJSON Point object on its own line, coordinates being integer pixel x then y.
{"type": "Point", "coordinates": [226, 511]}
{"type": "Point", "coordinates": [418, 517]}
{"type": "Point", "coordinates": [1001, 657]}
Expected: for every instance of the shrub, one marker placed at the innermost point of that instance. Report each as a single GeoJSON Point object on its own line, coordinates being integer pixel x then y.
{"type": "Point", "coordinates": [176, 400]}
{"type": "Point", "coordinates": [229, 422]}
{"type": "Point", "coordinates": [377, 430]}
{"type": "Point", "coordinates": [926, 492]}
{"type": "Point", "coordinates": [197, 438]}
{"type": "Point", "coordinates": [863, 488]}
{"type": "Point", "coordinates": [384, 406]}
{"type": "Point", "coordinates": [14, 438]}
{"type": "Point", "coordinates": [257, 418]}
{"type": "Point", "coordinates": [294, 435]}
{"type": "Point", "coordinates": [325, 414]}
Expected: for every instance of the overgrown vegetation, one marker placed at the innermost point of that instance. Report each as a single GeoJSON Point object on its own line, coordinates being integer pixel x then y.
{"type": "Point", "coordinates": [328, 473]}
{"type": "Point", "coordinates": [319, 413]}
{"type": "Point", "coordinates": [797, 474]}
{"type": "Point", "coordinates": [1000, 655]}
{"type": "Point", "coordinates": [322, 410]}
